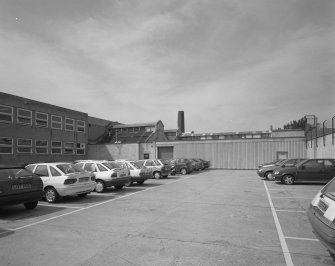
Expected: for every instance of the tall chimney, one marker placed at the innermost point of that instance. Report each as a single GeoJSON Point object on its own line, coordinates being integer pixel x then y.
{"type": "Point", "coordinates": [181, 122]}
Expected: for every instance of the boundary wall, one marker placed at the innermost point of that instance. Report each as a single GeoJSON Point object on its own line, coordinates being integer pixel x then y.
{"type": "Point", "coordinates": [321, 147]}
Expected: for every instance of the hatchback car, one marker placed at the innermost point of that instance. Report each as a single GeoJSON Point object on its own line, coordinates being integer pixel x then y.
{"type": "Point", "coordinates": [321, 215]}
{"type": "Point", "coordinates": [138, 174]}
{"type": "Point", "coordinates": [309, 170]}
{"type": "Point", "coordinates": [19, 185]}
{"type": "Point", "coordinates": [158, 168]}
{"type": "Point", "coordinates": [267, 170]}
{"type": "Point", "coordinates": [185, 161]}
{"type": "Point", "coordinates": [197, 164]}
{"type": "Point", "coordinates": [107, 174]}
{"type": "Point", "coordinates": [62, 179]}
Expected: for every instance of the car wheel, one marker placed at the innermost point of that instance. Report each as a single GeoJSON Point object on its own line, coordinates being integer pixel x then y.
{"type": "Point", "coordinates": [140, 182]}
{"type": "Point", "coordinates": [118, 187]}
{"type": "Point", "coordinates": [30, 205]}
{"type": "Point", "coordinates": [51, 195]}
{"type": "Point", "coordinates": [183, 171]}
{"type": "Point", "coordinates": [157, 175]}
{"type": "Point", "coordinates": [82, 195]}
{"type": "Point", "coordinates": [268, 176]}
{"type": "Point", "coordinates": [288, 180]}
{"type": "Point", "coordinates": [129, 184]}
{"type": "Point", "coordinates": [100, 186]}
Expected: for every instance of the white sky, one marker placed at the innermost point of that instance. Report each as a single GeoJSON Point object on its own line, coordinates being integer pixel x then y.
{"type": "Point", "coordinates": [230, 65]}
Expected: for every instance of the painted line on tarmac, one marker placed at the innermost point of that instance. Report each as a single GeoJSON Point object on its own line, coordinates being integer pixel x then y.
{"type": "Point", "coordinates": [59, 206]}
{"type": "Point", "coordinates": [292, 198]}
{"type": "Point", "coordinates": [283, 244]}
{"type": "Point", "coordinates": [92, 206]}
{"type": "Point", "coordinates": [301, 238]}
{"type": "Point", "coordinates": [293, 189]}
{"type": "Point", "coordinates": [289, 211]}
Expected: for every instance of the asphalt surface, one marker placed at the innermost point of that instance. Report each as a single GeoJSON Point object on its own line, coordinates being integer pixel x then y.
{"type": "Point", "coordinates": [213, 217]}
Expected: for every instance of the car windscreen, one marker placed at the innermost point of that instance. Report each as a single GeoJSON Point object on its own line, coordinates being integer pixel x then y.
{"type": "Point", "coordinates": [68, 168]}
{"type": "Point", "coordinates": [329, 189]}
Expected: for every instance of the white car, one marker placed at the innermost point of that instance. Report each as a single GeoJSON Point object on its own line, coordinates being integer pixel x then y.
{"type": "Point", "coordinates": [62, 179]}
{"type": "Point", "coordinates": [138, 174]}
{"type": "Point", "coordinates": [107, 174]}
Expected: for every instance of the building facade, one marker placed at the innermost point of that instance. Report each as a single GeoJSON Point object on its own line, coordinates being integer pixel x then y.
{"type": "Point", "coordinates": [33, 131]}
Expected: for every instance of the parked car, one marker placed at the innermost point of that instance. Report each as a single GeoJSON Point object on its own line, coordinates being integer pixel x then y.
{"type": "Point", "coordinates": [309, 170]}
{"type": "Point", "coordinates": [158, 168]}
{"type": "Point", "coordinates": [197, 165]}
{"type": "Point", "coordinates": [62, 179]}
{"type": "Point", "coordinates": [267, 170]}
{"type": "Point", "coordinates": [205, 162]}
{"type": "Point", "coordinates": [138, 174]}
{"type": "Point", "coordinates": [19, 185]}
{"type": "Point", "coordinates": [107, 174]}
{"type": "Point", "coordinates": [321, 215]}
{"type": "Point", "coordinates": [271, 163]}
{"type": "Point", "coordinates": [179, 165]}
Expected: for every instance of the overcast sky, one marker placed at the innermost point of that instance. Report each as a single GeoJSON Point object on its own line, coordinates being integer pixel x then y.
{"type": "Point", "coordinates": [230, 65]}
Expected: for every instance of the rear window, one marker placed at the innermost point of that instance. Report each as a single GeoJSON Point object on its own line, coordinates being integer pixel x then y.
{"type": "Point", "coordinates": [68, 168]}
{"type": "Point", "coordinates": [136, 165]}
{"type": "Point", "coordinates": [329, 189]}
{"type": "Point", "coordinates": [14, 173]}
{"type": "Point", "coordinates": [111, 165]}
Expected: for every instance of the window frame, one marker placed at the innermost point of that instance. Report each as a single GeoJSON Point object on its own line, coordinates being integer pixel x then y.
{"type": "Point", "coordinates": [68, 124]}
{"type": "Point", "coordinates": [56, 122]}
{"type": "Point", "coordinates": [53, 147]}
{"type": "Point", "coordinates": [65, 148]}
{"type": "Point", "coordinates": [24, 145]}
{"type": "Point", "coordinates": [41, 119]}
{"type": "Point", "coordinates": [18, 116]}
{"type": "Point", "coordinates": [11, 115]}
{"type": "Point", "coordinates": [6, 146]}
{"type": "Point", "coordinates": [81, 126]}
{"type": "Point", "coordinates": [78, 149]}
{"type": "Point", "coordinates": [42, 147]}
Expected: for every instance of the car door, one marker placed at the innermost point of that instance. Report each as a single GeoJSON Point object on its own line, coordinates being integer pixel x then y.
{"type": "Point", "coordinates": [329, 169]}
{"type": "Point", "coordinates": [311, 170]}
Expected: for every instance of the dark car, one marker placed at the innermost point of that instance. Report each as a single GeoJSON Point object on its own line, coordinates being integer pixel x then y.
{"type": "Point", "coordinates": [271, 163]}
{"type": "Point", "coordinates": [309, 170]}
{"type": "Point", "coordinates": [321, 215]}
{"type": "Point", "coordinates": [180, 164]}
{"type": "Point", "coordinates": [197, 165]}
{"type": "Point", "coordinates": [267, 170]}
{"type": "Point", "coordinates": [19, 185]}
{"type": "Point", "coordinates": [206, 163]}
{"type": "Point", "coordinates": [178, 167]}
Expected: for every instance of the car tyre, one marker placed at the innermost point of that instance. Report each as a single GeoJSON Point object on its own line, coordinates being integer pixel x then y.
{"type": "Point", "coordinates": [157, 175]}
{"type": "Point", "coordinates": [82, 195]}
{"type": "Point", "coordinates": [118, 187]}
{"type": "Point", "coordinates": [183, 171]}
{"type": "Point", "coordinates": [140, 182]}
{"type": "Point", "coordinates": [30, 205]}
{"type": "Point", "coordinates": [51, 195]}
{"type": "Point", "coordinates": [288, 180]}
{"type": "Point", "coordinates": [100, 186]}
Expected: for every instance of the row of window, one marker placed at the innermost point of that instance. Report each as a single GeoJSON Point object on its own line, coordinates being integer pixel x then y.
{"type": "Point", "coordinates": [41, 146]}
{"type": "Point", "coordinates": [25, 117]}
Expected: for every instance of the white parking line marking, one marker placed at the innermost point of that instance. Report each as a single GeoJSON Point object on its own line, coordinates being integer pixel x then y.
{"type": "Point", "coordinates": [292, 198]}
{"type": "Point", "coordinates": [301, 238]}
{"type": "Point", "coordinates": [283, 244]}
{"type": "Point", "coordinates": [92, 206]}
{"type": "Point", "coordinates": [58, 206]}
{"type": "Point", "coordinates": [289, 211]}
{"type": "Point", "coordinates": [293, 189]}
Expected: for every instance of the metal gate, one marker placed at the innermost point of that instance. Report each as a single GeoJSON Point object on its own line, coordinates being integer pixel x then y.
{"type": "Point", "coordinates": [165, 152]}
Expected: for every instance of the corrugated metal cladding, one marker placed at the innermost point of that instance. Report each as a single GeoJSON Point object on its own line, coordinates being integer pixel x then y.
{"type": "Point", "coordinates": [238, 154]}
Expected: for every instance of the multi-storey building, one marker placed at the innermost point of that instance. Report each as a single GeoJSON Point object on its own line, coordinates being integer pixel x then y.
{"type": "Point", "coordinates": [32, 131]}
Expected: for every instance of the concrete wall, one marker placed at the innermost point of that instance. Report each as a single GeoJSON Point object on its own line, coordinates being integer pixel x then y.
{"type": "Point", "coordinates": [321, 150]}
{"type": "Point", "coordinates": [238, 154]}
{"type": "Point", "coordinates": [113, 151]}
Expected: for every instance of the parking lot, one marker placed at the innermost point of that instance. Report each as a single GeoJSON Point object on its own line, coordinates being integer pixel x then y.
{"type": "Point", "coordinates": [213, 217]}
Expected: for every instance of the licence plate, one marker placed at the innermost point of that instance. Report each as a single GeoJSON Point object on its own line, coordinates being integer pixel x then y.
{"type": "Point", "coordinates": [21, 186]}
{"type": "Point", "coordinates": [83, 179]}
{"type": "Point", "coordinates": [323, 206]}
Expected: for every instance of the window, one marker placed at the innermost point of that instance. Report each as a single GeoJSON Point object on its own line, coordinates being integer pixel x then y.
{"type": "Point", "coordinates": [69, 124]}
{"type": "Point", "coordinates": [56, 147]}
{"type": "Point", "coordinates": [6, 114]}
{"type": "Point", "coordinates": [56, 122]}
{"type": "Point", "coordinates": [24, 145]}
{"type": "Point", "coordinates": [146, 156]}
{"type": "Point", "coordinates": [81, 126]}
{"type": "Point", "coordinates": [42, 170]}
{"type": "Point", "coordinates": [90, 167]}
{"type": "Point", "coordinates": [81, 148]}
{"type": "Point", "coordinates": [54, 171]}
{"type": "Point", "coordinates": [68, 148]}
{"type": "Point", "coordinates": [41, 119]}
{"type": "Point", "coordinates": [24, 117]}
{"type": "Point", "coordinates": [329, 163]}
{"type": "Point", "coordinates": [101, 168]}
{"type": "Point", "coordinates": [149, 163]}
{"type": "Point", "coordinates": [6, 145]}
{"type": "Point", "coordinates": [41, 146]}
